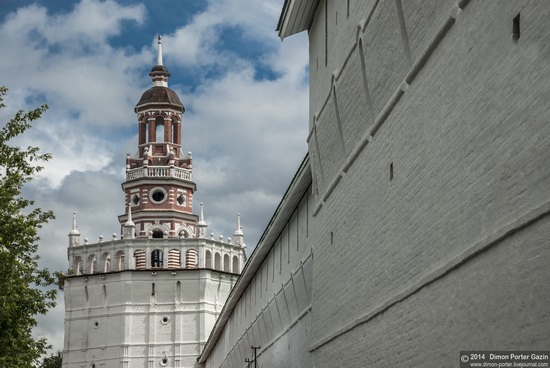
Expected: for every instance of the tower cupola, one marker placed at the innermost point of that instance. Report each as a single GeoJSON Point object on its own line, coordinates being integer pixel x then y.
{"type": "Point", "coordinates": [160, 93]}
{"type": "Point", "coordinates": [159, 183]}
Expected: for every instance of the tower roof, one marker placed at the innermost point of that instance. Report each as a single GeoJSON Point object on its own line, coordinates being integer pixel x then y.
{"type": "Point", "coordinates": [160, 93]}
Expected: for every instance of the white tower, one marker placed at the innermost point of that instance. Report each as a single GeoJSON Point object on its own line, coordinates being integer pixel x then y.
{"type": "Point", "coordinates": [150, 298]}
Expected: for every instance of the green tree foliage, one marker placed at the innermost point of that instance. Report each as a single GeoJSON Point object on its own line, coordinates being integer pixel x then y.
{"type": "Point", "coordinates": [53, 361]}
{"type": "Point", "coordinates": [24, 287]}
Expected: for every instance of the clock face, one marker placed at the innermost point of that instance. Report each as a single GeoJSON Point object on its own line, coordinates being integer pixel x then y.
{"type": "Point", "coordinates": [158, 195]}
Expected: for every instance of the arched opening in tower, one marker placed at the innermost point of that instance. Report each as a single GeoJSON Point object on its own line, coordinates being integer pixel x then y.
{"type": "Point", "coordinates": [174, 130]}
{"type": "Point", "coordinates": [159, 122]}
{"type": "Point", "coordinates": [156, 258]}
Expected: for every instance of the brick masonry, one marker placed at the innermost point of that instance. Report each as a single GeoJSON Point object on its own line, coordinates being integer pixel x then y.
{"type": "Point", "coordinates": [427, 139]}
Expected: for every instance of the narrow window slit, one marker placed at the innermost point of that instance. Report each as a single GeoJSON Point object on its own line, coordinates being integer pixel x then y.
{"type": "Point", "coordinates": [515, 28]}
{"type": "Point", "coordinates": [391, 171]}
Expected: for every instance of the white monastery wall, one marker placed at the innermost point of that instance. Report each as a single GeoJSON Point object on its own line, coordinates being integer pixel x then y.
{"type": "Point", "coordinates": [147, 314]}
{"type": "Point", "coordinates": [274, 310]}
{"type": "Point", "coordinates": [429, 137]}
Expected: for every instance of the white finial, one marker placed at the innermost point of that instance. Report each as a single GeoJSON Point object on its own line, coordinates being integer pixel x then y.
{"type": "Point", "coordinates": [239, 235]}
{"type": "Point", "coordinates": [201, 218]}
{"type": "Point", "coordinates": [159, 56]}
{"type": "Point", "coordinates": [202, 225]}
{"type": "Point", "coordinates": [128, 231]}
{"type": "Point", "coordinates": [74, 234]}
{"type": "Point", "coordinates": [129, 222]}
{"type": "Point", "coordinates": [239, 230]}
{"type": "Point", "coordinates": [74, 230]}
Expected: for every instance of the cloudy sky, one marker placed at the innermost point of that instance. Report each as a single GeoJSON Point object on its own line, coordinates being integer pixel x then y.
{"type": "Point", "coordinates": [244, 90]}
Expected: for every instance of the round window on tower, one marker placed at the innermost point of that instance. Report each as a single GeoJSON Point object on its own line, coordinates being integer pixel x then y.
{"type": "Point", "coordinates": [164, 361]}
{"type": "Point", "coordinates": [158, 195]}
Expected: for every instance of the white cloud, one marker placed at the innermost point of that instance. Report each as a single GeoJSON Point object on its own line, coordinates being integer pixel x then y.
{"type": "Point", "coordinates": [247, 138]}
{"type": "Point", "coordinates": [259, 124]}
{"type": "Point", "coordinates": [91, 87]}
{"type": "Point", "coordinates": [66, 60]}
{"type": "Point", "coordinates": [71, 150]}
{"type": "Point", "coordinates": [48, 325]}
{"type": "Point", "coordinates": [91, 22]}
{"type": "Point", "coordinates": [195, 44]}
{"type": "Point", "coordinates": [88, 23]}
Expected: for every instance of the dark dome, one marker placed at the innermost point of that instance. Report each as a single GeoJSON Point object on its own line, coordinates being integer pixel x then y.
{"type": "Point", "coordinates": [160, 95]}
{"type": "Point", "coordinates": [159, 68]}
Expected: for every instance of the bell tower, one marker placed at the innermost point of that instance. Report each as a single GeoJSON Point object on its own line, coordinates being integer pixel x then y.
{"type": "Point", "coordinates": [150, 297]}
{"type": "Point", "coordinates": [159, 183]}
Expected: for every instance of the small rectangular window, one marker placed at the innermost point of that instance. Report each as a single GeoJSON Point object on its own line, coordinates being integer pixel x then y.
{"type": "Point", "coordinates": [391, 171]}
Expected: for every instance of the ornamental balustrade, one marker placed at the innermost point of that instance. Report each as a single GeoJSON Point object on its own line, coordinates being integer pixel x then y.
{"type": "Point", "coordinates": [159, 172]}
